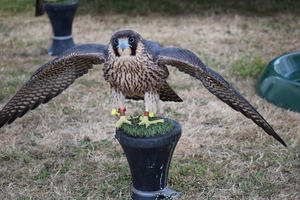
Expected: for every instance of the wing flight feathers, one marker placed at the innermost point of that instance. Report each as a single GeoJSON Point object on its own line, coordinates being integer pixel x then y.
{"type": "Point", "coordinates": [187, 62]}
{"type": "Point", "coordinates": [52, 79]}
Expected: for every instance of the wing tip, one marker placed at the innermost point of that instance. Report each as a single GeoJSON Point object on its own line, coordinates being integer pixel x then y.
{"type": "Point", "coordinates": [281, 141]}
{"type": "Point", "coordinates": [272, 133]}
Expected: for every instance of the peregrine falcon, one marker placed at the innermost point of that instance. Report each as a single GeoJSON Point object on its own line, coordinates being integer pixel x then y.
{"type": "Point", "coordinates": [136, 69]}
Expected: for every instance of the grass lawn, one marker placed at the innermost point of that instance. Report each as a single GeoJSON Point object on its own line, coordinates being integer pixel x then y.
{"type": "Point", "coordinates": [66, 149]}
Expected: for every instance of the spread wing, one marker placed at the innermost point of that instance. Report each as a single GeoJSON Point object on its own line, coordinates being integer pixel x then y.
{"type": "Point", "coordinates": [186, 61]}
{"type": "Point", "coordinates": [53, 78]}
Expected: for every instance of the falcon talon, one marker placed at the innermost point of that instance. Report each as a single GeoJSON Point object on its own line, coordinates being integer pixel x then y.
{"type": "Point", "coordinates": [123, 120]}
{"type": "Point", "coordinates": [126, 55]}
{"type": "Point", "coordinates": [145, 121]}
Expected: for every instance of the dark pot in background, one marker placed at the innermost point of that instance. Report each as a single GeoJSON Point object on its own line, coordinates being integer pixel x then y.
{"type": "Point", "coordinates": [149, 160]}
{"type": "Point", "coordinates": [61, 17]}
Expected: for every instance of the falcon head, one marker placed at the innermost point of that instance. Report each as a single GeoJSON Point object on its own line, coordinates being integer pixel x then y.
{"type": "Point", "coordinates": [126, 43]}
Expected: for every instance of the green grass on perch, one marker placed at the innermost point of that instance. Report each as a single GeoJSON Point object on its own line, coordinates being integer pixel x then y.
{"type": "Point", "coordinates": [152, 130]}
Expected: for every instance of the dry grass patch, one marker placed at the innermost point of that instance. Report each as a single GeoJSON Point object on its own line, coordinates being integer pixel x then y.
{"type": "Point", "coordinates": [66, 149]}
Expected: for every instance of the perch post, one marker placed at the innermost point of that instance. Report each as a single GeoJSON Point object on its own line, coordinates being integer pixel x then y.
{"type": "Point", "coordinates": [149, 161]}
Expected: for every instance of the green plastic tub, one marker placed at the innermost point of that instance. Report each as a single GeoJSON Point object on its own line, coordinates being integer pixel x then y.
{"type": "Point", "coordinates": [279, 83]}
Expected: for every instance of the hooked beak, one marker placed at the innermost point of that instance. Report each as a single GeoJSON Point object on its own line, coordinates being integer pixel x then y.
{"type": "Point", "coordinates": [123, 44]}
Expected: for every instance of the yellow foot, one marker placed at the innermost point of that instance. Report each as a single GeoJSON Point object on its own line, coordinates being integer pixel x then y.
{"type": "Point", "coordinates": [145, 121]}
{"type": "Point", "coordinates": [123, 120]}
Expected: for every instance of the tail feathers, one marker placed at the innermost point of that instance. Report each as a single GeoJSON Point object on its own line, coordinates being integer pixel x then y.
{"type": "Point", "coordinates": [166, 93]}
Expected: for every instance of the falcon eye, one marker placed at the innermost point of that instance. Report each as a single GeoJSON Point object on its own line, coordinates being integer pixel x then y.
{"type": "Point", "coordinates": [131, 40]}
{"type": "Point", "coordinates": [116, 41]}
